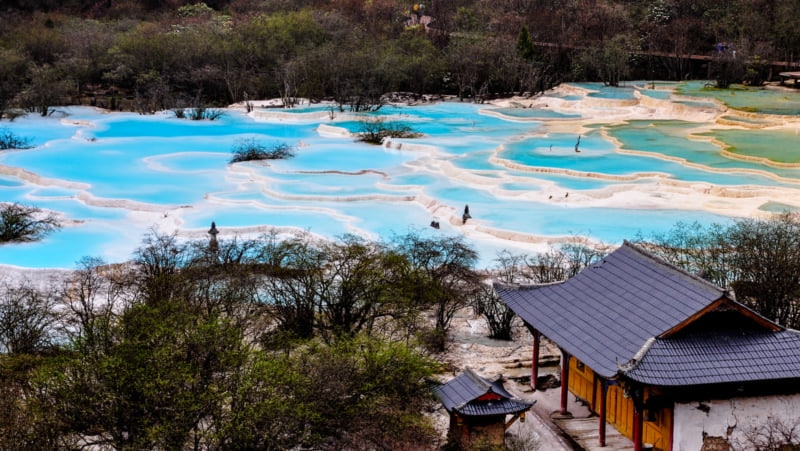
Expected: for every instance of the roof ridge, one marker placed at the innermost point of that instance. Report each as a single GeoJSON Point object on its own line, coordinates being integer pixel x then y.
{"type": "Point", "coordinates": [639, 250]}
{"type": "Point", "coordinates": [476, 378]}
{"type": "Point", "coordinates": [523, 286]}
{"type": "Point", "coordinates": [634, 361]}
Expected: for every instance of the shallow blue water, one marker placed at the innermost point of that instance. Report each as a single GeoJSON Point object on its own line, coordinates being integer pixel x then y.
{"type": "Point", "coordinates": [602, 91]}
{"type": "Point", "coordinates": [760, 99]}
{"type": "Point", "coordinates": [115, 177]}
{"type": "Point", "coordinates": [657, 94]}
{"type": "Point", "coordinates": [671, 138]}
{"type": "Point", "coordinates": [536, 113]}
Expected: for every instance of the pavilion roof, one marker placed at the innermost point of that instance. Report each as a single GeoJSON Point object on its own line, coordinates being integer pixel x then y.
{"type": "Point", "coordinates": [462, 395]}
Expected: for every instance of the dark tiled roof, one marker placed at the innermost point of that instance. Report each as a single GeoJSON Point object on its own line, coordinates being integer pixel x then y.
{"type": "Point", "coordinates": [606, 313]}
{"type": "Point", "coordinates": [461, 393]}
{"type": "Point", "coordinates": [719, 357]}
{"type": "Point", "coordinates": [502, 407]}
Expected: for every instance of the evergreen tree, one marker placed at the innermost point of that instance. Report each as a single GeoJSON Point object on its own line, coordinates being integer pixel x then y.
{"type": "Point", "coordinates": [525, 47]}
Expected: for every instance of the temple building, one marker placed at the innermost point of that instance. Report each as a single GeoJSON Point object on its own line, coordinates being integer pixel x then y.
{"type": "Point", "coordinates": [670, 360]}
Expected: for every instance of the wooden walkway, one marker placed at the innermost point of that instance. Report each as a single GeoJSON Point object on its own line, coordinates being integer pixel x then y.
{"type": "Point", "coordinates": [578, 432]}
{"type": "Point", "coordinates": [790, 75]}
{"type": "Point", "coordinates": [584, 432]}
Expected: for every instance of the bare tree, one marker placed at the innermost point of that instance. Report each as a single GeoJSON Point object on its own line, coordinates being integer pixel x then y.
{"type": "Point", "coordinates": [25, 223]}
{"type": "Point", "coordinates": [767, 266]}
{"type": "Point", "coordinates": [547, 267]}
{"type": "Point", "coordinates": [509, 268]}
{"type": "Point", "coordinates": [441, 278]}
{"type": "Point", "coordinates": [89, 296]}
{"type": "Point", "coordinates": [701, 250]}
{"type": "Point", "coordinates": [611, 62]}
{"type": "Point", "coordinates": [470, 61]}
{"type": "Point", "coordinates": [10, 140]}
{"type": "Point", "coordinates": [12, 71]}
{"type": "Point", "coordinates": [356, 286]}
{"type": "Point", "coordinates": [158, 264]}
{"type": "Point", "coordinates": [775, 433]}
{"type": "Point", "coordinates": [758, 258]}
{"type": "Point", "coordinates": [288, 74]}
{"type": "Point", "coordinates": [374, 131]}
{"type": "Point", "coordinates": [579, 253]}
{"type": "Point", "coordinates": [224, 278]}
{"type": "Point", "coordinates": [556, 265]}
{"type": "Point", "coordinates": [499, 317]}
{"type": "Point", "coordinates": [27, 319]}
{"type": "Point", "coordinates": [294, 286]}
{"type": "Point", "coordinates": [48, 87]}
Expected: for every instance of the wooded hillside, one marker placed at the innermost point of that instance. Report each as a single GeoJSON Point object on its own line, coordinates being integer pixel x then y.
{"type": "Point", "coordinates": [151, 55]}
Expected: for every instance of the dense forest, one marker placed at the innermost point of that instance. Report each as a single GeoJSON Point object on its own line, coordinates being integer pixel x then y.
{"type": "Point", "coordinates": [269, 343]}
{"type": "Point", "coordinates": [153, 55]}
{"type": "Point", "coordinates": [261, 343]}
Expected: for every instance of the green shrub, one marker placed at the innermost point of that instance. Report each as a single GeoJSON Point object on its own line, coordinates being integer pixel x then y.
{"type": "Point", "coordinates": [250, 149]}
{"type": "Point", "coordinates": [375, 130]}
{"type": "Point", "coordinates": [198, 113]}
{"type": "Point", "coordinates": [25, 223]}
{"type": "Point", "coordinates": [8, 140]}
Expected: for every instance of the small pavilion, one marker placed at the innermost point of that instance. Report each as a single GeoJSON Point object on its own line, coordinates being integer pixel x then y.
{"type": "Point", "coordinates": [478, 408]}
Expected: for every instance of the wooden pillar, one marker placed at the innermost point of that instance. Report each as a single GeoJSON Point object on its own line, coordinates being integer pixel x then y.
{"type": "Point", "coordinates": [564, 381]}
{"type": "Point", "coordinates": [535, 359]}
{"type": "Point", "coordinates": [602, 410]}
{"type": "Point", "coordinates": [638, 424]}
{"type": "Point", "coordinates": [637, 430]}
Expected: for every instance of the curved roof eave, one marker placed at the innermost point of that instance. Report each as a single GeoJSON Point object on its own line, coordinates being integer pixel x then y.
{"type": "Point", "coordinates": [607, 313]}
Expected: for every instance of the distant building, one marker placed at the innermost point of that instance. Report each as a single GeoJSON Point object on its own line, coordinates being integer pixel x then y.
{"type": "Point", "coordinates": [669, 359]}
{"type": "Point", "coordinates": [478, 408]}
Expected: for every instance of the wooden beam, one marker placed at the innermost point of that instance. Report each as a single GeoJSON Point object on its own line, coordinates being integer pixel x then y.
{"type": "Point", "coordinates": [723, 303]}
{"type": "Point", "coordinates": [514, 418]}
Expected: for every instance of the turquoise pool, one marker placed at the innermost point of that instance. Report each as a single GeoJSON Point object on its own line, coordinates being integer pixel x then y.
{"type": "Point", "coordinates": [532, 175]}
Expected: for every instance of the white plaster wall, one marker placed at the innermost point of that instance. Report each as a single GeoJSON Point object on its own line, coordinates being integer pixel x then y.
{"type": "Point", "coordinates": [730, 418]}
